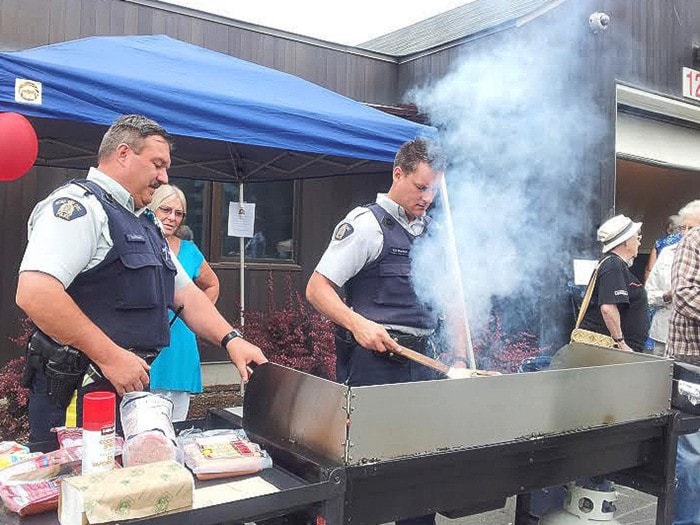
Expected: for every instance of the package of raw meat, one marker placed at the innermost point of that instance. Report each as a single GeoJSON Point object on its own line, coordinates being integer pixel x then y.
{"type": "Point", "coordinates": [148, 429]}
{"type": "Point", "coordinates": [36, 491]}
{"type": "Point", "coordinates": [9, 447]}
{"type": "Point", "coordinates": [222, 453]}
{"type": "Point", "coordinates": [31, 486]}
{"type": "Point", "coordinates": [50, 459]}
{"type": "Point", "coordinates": [69, 436]}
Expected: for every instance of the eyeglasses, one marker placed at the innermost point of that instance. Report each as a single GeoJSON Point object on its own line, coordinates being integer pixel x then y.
{"type": "Point", "coordinates": [167, 210]}
{"type": "Point", "coordinates": [639, 238]}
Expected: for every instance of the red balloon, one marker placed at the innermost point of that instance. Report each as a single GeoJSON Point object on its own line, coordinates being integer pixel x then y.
{"type": "Point", "coordinates": [19, 146]}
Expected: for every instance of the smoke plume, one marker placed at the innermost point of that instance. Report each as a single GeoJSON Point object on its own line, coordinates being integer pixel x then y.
{"type": "Point", "coordinates": [518, 122]}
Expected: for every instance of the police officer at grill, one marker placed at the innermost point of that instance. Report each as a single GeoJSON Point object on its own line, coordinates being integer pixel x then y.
{"type": "Point", "coordinates": [369, 255]}
{"type": "Point", "coordinates": [98, 278]}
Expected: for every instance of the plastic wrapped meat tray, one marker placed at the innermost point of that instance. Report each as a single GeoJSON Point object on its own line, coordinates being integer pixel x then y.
{"type": "Point", "coordinates": [222, 453]}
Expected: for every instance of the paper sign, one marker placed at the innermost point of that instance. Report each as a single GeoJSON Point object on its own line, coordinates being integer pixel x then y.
{"type": "Point", "coordinates": [241, 219]}
{"type": "Point", "coordinates": [583, 269]}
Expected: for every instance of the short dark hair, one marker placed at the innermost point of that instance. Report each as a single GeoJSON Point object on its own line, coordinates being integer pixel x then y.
{"type": "Point", "coordinates": [415, 151]}
{"type": "Point", "coordinates": [130, 130]}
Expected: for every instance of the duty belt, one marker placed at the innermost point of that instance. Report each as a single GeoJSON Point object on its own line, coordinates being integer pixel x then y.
{"type": "Point", "coordinates": [93, 373]}
{"type": "Point", "coordinates": [147, 354]}
{"type": "Point", "coordinates": [414, 342]}
{"type": "Point", "coordinates": [422, 344]}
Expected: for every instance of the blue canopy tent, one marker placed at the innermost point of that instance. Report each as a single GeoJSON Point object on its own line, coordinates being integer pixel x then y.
{"type": "Point", "coordinates": [233, 120]}
{"type": "Point", "coordinates": [238, 120]}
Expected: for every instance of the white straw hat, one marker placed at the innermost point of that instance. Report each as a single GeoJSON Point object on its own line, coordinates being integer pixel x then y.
{"type": "Point", "coordinates": [617, 230]}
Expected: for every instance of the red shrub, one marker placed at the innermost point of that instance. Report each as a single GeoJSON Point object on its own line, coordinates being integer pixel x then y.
{"type": "Point", "coordinates": [14, 399]}
{"type": "Point", "coordinates": [295, 336]}
{"type": "Point", "coordinates": [496, 350]}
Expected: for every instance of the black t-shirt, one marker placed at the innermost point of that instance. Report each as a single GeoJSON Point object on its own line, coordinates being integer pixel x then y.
{"type": "Point", "coordinates": [617, 285]}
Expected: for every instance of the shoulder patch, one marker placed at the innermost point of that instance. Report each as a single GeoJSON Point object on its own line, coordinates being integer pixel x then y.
{"type": "Point", "coordinates": [68, 209]}
{"type": "Point", "coordinates": [343, 231]}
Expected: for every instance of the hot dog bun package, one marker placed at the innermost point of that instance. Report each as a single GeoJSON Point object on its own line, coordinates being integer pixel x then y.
{"type": "Point", "coordinates": [128, 493]}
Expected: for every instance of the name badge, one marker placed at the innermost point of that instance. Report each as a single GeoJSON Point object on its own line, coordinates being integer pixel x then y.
{"type": "Point", "coordinates": [135, 237]}
{"type": "Point", "coordinates": [399, 251]}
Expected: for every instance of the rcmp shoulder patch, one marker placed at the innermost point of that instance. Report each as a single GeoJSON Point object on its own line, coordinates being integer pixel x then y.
{"type": "Point", "coordinates": [343, 231]}
{"type": "Point", "coordinates": [68, 209]}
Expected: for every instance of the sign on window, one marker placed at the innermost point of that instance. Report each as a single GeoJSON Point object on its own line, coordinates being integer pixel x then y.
{"type": "Point", "coordinates": [691, 83]}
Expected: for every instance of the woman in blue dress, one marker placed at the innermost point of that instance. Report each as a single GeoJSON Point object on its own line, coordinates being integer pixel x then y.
{"type": "Point", "coordinates": [176, 372]}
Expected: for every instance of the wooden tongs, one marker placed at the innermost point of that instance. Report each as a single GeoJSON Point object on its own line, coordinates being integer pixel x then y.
{"type": "Point", "coordinates": [448, 371]}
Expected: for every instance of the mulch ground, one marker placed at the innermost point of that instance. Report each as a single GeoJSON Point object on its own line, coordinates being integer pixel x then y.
{"type": "Point", "coordinates": [218, 396]}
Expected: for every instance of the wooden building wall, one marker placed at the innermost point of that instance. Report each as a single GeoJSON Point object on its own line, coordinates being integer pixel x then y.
{"type": "Point", "coordinates": [362, 76]}
{"type": "Point", "coordinates": [646, 45]}
{"type": "Point", "coordinates": [367, 77]}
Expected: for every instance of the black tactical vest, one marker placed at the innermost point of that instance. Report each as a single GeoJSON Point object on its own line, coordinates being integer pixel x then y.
{"type": "Point", "coordinates": [127, 295]}
{"type": "Point", "coordinates": [382, 291]}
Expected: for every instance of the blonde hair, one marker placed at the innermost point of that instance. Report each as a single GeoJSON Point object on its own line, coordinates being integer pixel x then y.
{"type": "Point", "coordinates": [164, 193]}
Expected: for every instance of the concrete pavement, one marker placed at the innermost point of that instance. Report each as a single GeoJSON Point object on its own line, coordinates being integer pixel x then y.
{"type": "Point", "coordinates": [633, 508]}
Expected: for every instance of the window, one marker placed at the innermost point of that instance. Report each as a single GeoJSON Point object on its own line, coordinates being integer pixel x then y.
{"type": "Point", "coordinates": [207, 217]}
{"type": "Point", "coordinates": [274, 221]}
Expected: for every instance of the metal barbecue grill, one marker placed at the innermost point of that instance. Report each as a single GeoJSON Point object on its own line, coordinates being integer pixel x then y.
{"type": "Point", "coordinates": [351, 426]}
{"type": "Point", "coordinates": [463, 446]}
{"type": "Point", "coordinates": [366, 455]}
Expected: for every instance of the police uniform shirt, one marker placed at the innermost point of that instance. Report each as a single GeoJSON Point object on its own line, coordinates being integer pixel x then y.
{"type": "Point", "coordinates": [358, 241]}
{"type": "Point", "coordinates": [69, 231]}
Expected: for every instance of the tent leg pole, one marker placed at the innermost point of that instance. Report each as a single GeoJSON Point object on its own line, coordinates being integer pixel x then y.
{"type": "Point", "coordinates": [455, 270]}
{"type": "Point", "coordinates": [241, 250]}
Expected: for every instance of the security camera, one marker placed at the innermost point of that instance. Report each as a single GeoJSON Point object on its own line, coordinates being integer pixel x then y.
{"type": "Point", "coordinates": [598, 22]}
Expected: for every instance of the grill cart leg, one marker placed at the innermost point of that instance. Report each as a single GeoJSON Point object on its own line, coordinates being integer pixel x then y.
{"type": "Point", "coordinates": [332, 510]}
{"type": "Point", "coordinates": [664, 506]}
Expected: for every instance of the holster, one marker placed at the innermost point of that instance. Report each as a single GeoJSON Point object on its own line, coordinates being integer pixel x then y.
{"type": "Point", "coordinates": [344, 343]}
{"type": "Point", "coordinates": [63, 365]}
{"type": "Point", "coordinates": [414, 342]}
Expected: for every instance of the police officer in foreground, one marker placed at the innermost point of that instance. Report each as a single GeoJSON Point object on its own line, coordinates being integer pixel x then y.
{"type": "Point", "coordinates": [98, 278]}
